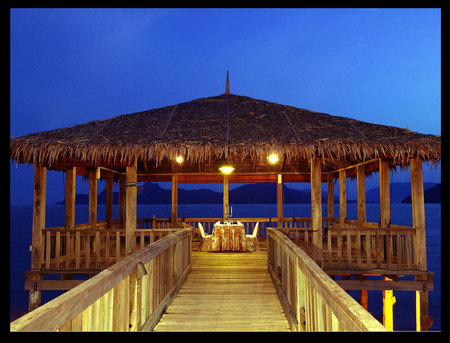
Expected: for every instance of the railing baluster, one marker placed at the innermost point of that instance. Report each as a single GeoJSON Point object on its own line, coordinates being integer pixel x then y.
{"type": "Point", "coordinates": [368, 249]}
{"type": "Point", "coordinates": [77, 249]}
{"type": "Point", "coordinates": [57, 249]}
{"type": "Point", "coordinates": [408, 237]}
{"type": "Point", "coordinates": [47, 249]}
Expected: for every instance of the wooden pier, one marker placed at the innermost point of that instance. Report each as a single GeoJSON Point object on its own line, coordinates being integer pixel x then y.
{"type": "Point", "coordinates": [226, 292]}
{"type": "Point", "coordinates": [166, 287]}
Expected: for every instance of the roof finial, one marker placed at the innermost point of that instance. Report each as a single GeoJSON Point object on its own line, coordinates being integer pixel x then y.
{"type": "Point", "coordinates": [227, 88]}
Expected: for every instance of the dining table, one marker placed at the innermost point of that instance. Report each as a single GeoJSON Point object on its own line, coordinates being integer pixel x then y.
{"type": "Point", "coordinates": [230, 236]}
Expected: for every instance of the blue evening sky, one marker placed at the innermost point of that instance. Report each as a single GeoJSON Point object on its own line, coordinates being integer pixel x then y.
{"type": "Point", "coordinates": [70, 66]}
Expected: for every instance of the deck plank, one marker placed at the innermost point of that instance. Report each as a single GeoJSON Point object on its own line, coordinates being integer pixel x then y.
{"type": "Point", "coordinates": [226, 292]}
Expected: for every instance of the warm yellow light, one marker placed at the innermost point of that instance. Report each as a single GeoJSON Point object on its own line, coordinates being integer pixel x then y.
{"type": "Point", "coordinates": [179, 159]}
{"type": "Point", "coordinates": [226, 169]}
{"type": "Point", "coordinates": [273, 158]}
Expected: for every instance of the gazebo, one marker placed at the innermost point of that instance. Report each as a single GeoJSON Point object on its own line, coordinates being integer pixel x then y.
{"type": "Point", "coordinates": [259, 141]}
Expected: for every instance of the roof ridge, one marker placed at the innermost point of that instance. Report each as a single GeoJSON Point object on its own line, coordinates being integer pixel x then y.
{"type": "Point", "coordinates": [297, 138]}
{"type": "Point", "coordinates": [168, 121]}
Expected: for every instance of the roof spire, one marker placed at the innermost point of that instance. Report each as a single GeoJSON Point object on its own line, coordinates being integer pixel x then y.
{"type": "Point", "coordinates": [227, 88]}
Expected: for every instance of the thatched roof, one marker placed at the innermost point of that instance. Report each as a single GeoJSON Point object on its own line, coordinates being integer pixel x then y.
{"type": "Point", "coordinates": [198, 130]}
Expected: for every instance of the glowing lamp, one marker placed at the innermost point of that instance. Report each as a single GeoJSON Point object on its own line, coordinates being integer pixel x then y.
{"type": "Point", "coordinates": [226, 169]}
{"type": "Point", "coordinates": [273, 158]}
{"type": "Point", "coordinates": [179, 159]}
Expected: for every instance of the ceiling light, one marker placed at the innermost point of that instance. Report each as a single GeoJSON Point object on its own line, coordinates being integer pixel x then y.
{"type": "Point", "coordinates": [273, 158]}
{"type": "Point", "coordinates": [179, 159]}
{"type": "Point", "coordinates": [226, 169]}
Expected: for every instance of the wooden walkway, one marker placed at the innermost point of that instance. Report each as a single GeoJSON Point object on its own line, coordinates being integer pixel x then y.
{"type": "Point", "coordinates": [226, 292]}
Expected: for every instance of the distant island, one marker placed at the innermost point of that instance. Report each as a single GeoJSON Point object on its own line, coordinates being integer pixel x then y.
{"type": "Point", "coordinates": [258, 193]}
{"type": "Point", "coordinates": [261, 193]}
{"type": "Point", "coordinates": [431, 195]}
{"type": "Point", "coordinates": [400, 192]}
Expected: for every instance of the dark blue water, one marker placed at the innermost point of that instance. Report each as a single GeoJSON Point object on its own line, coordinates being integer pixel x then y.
{"type": "Point", "coordinates": [404, 310]}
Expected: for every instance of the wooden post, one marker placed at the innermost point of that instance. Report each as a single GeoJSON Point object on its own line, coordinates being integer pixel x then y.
{"type": "Point", "coordinates": [70, 219]}
{"type": "Point", "coordinates": [109, 199]}
{"type": "Point", "coordinates": [94, 174]}
{"type": "Point", "coordinates": [70, 197]}
{"type": "Point", "coordinates": [361, 196]}
{"type": "Point", "coordinates": [342, 197]}
{"type": "Point", "coordinates": [131, 209]}
{"type": "Point", "coordinates": [93, 198]}
{"type": "Point", "coordinates": [174, 199]}
{"type": "Point", "coordinates": [330, 196]}
{"type": "Point", "coordinates": [423, 320]}
{"type": "Point", "coordinates": [40, 185]}
{"type": "Point", "coordinates": [385, 202]}
{"type": "Point", "coordinates": [361, 199]}
{"type": "Point", "coordinates": [316, 210]}
{"type": "Point", "coordinates": [418, 219]}
{"type": "Point", "coordinates": [122, 200]}
{"type": "Point", "coordinates": [364, 298]}
{"type": "Point", "coordinates": [388, 307]}
{"type": "Point", "coordinates": [279, 201]}
{"type": "Point", "coordinates": [225, 198]}
{"type": "Point", "coordinates": [418, 212]}
{"type": "Point", "coordinates": [385, 218]}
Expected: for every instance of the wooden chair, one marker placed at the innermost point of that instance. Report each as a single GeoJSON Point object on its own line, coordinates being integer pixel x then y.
{"type": "Point", "coordinates": [206, 239]}
{"type": "Point", "coordinates": [254, 237]}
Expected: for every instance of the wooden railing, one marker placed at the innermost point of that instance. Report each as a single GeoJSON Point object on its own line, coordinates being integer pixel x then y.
{"type": "Point", "coordinates": [366, 247]}
{"type": "Point", "coordinates": [84, 247]}
{"type": "Point", "coordinates": [87, 248]}
{"type": "Point", "coordinates": [311, 299]}
{"type": "Point", "coordinates": [131, 295]}
{"type": "Point", "coordinates": [352, 246]}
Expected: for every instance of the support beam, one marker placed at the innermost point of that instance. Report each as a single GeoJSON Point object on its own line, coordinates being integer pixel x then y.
{"type": "Point", "coordinates": [40, 188]}
{"type": "Point", "coordinates": [122, 199]}
{"type": "Point", "coordinates": [226, 204]}
{"type": "Point", "coordinates": [174, 200]}
{"type": "Point", "coordinates": [361, 196]}
{"type": "Point", "coordinates": [388, 307]}
{"type": "Point", "coordinates": [364, 299]}
{"type": "Point", "coordinates": [109, 199]}
{"type": "Point", "coordinates": [93, 198]}
{"type": "Point", "coordinates": [37, 255]}
{"type": "Point", "coordinates": [70, 197]}
{"type": "Point", "coordinates": [279, 201]}
{"type": "Point", "coordinates": [361, 199]}
{"type": "Point", "coordinates": [423, 320]}
{"type": "Point", "coordinates": [316, 210]}
{"type": "Point", "coordinates": [131, 209]}
{"type": "Point", "coordinates": [385, 202]}
{"type": "Point", "coordinates": [342, 197]}
{"type": "Point", "coordinates": [383, 285]}
{"type": "Point", "coordinates": [418, 212]}
{"type": "Point", "coordinates": [330, 196]}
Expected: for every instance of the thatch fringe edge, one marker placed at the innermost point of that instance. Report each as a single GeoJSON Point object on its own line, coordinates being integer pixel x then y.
{"type": "Point", "coordinates": [48, 153]}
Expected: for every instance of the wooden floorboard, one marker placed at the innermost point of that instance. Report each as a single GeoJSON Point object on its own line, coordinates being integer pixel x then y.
{"type": "Point", "coordinates": [226, 292]}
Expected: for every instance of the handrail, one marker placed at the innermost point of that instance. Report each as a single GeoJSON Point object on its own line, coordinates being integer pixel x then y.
{"type": "Point", "coordinates": [312, 300]}
{"type": "Point", "coordinates": [128, 296]}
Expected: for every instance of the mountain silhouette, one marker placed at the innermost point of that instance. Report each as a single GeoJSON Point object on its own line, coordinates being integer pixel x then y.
{"type": "Point", "coordinates": [260, 193]}
{"type": "Point", "coordinates": [398, 192]}
{"type": "Point", "coordinates": [257, 193]}
{"type": "Point", "coordinates": [431, 195]}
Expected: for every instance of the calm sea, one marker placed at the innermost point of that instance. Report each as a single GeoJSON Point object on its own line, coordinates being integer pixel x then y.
{"type": "Point", "coordinates": [404, 309]}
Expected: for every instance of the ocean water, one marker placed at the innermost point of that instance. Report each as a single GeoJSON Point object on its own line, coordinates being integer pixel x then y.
{"type": "Point", "coordinates": [404, 309]}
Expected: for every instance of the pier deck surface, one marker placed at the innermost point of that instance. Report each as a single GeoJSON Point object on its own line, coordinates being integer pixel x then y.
{"type": "Point", "coordinates": [226, 292]}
